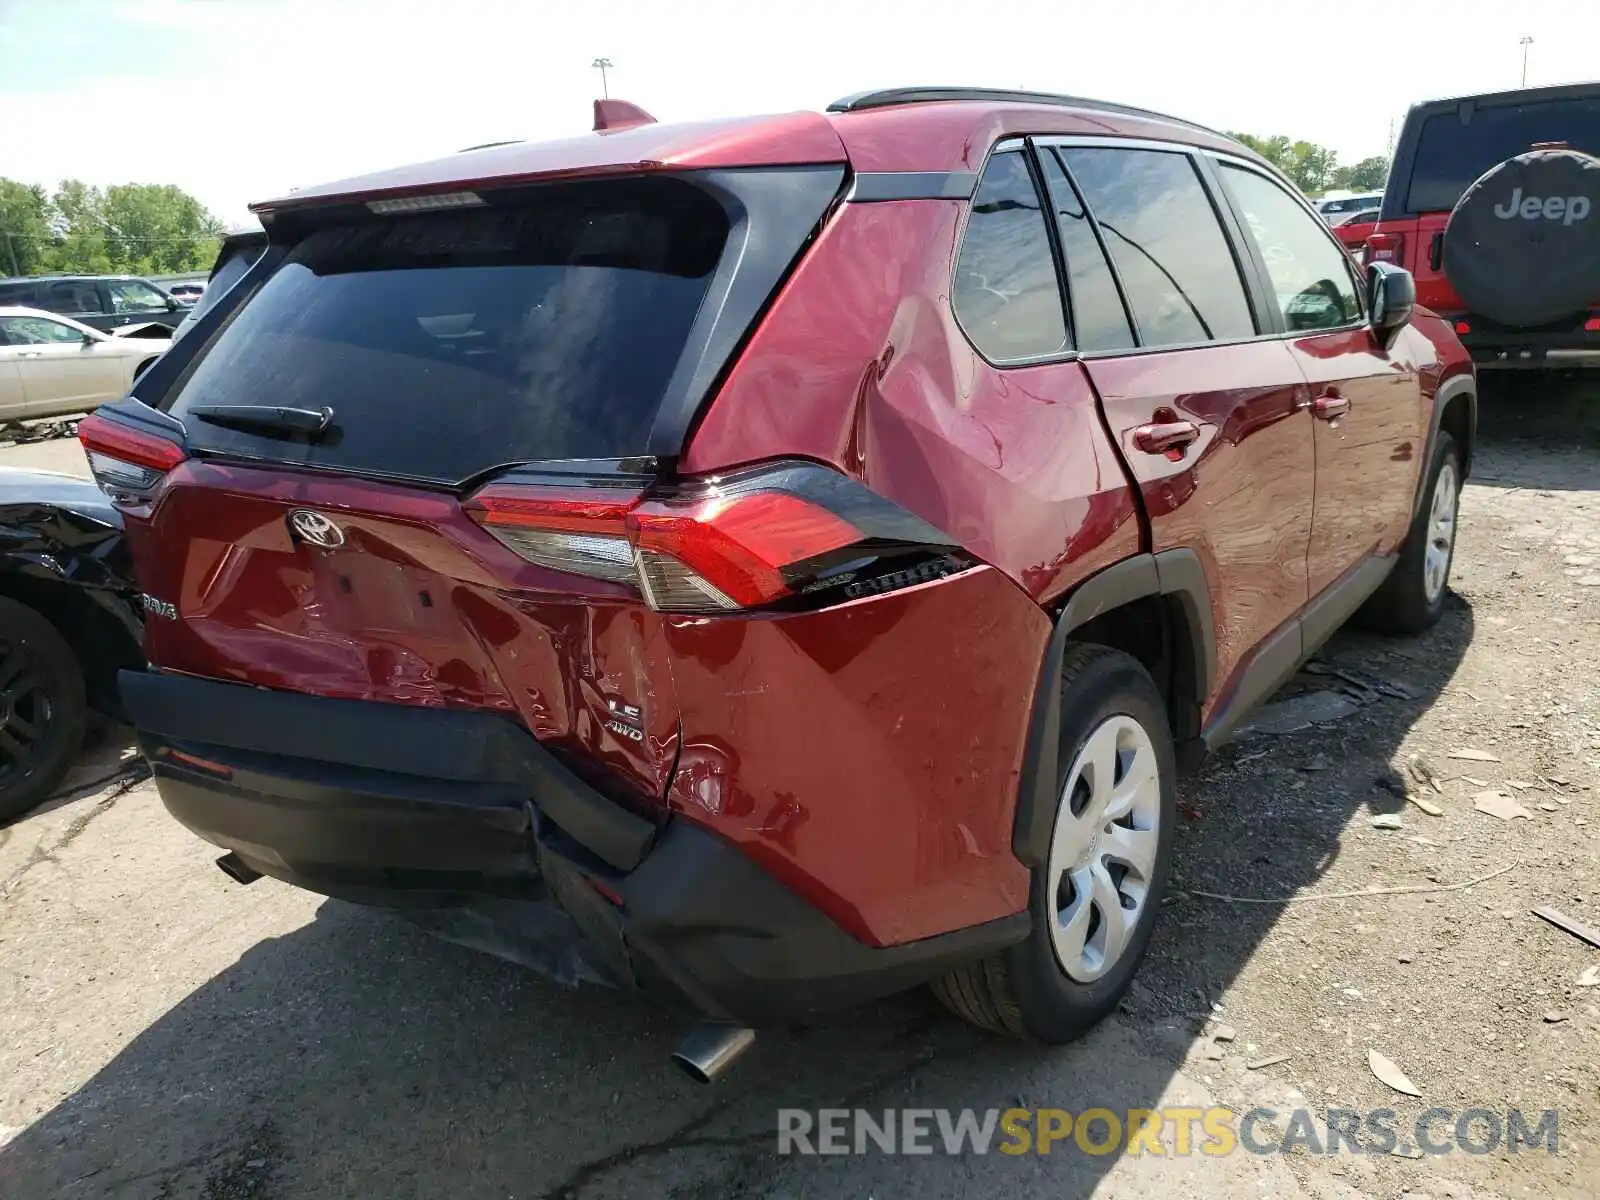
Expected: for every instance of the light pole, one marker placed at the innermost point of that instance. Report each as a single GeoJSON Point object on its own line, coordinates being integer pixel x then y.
{"type": "Point", "coordinates": [601, 65]}
{"type": "Point", "coordinates": [1526, 42]}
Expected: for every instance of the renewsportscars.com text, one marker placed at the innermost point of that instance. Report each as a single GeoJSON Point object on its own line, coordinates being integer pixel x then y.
{"type": "Point", "coordinates": [1173, 1131]}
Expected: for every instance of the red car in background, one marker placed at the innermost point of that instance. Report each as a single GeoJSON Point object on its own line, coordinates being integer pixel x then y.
{"type": "Point", "coordinates": [778, 561]}
{"type": "Point", "coordinates": [1354, 230]}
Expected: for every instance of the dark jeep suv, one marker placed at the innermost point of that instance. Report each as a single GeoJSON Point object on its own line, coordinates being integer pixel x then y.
{"type": "Point", "coordinates": [1493, 203]}
{"type": "Point", "coordinates": [99, 301]}
{"type": "Point", "coordinates": [777, 561]}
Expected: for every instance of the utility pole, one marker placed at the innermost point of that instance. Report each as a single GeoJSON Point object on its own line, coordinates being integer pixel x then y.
{"type": "Point", "coordinates": [1526, 42]}
{"type": "Point", "coordinates": [601, 65]}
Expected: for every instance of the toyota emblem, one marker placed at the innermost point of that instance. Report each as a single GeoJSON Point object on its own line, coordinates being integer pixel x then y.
{"type": "Point", "coordinates": [315, 528]}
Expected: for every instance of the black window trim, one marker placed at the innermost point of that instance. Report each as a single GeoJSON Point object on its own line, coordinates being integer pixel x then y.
{"type": "Point", "coordinates": [1215, 160]}
{"type": "Point", "coordinates": [1256, 297]}
{"type": "Point", "coordinates": [1036, 147]}
{"type": "Point", "coordinates": [1069, 351]}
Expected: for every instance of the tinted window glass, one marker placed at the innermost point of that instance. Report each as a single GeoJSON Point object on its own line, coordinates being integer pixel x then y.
{"type": "Point", "coordinates": [1006, 295]}
{"type": "Point", "coordinates": [37, 331]}
{"type": "Point", "coordinates": [71, 296]}
{"type": "Point", "coordinates": [1098, 319]}
{"type": "Point", "coordinates": [1309, 277]}
{"type": "Point", "coordinates": [1173, 260]}
{"type": "Point", "coordinates": [453, 342]}
{"type": "Point", "coordinates": [132, 295]}
{"type": "Point", "coordinates": [1451, 153]}
{"type": "Point", "coordinates": [232, 263]}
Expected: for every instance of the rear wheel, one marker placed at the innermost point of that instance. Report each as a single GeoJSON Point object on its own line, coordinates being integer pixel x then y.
{"type": "Point", "coordinates": [1094, 901]}
{"type": "Point", "coordinates": [1413, 597]}
{"type": "Point", "coordinates": [42, 708]}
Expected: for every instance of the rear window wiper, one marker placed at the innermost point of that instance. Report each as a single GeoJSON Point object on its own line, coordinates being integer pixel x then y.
{"type": "Point", "coordinates": [310, 423]}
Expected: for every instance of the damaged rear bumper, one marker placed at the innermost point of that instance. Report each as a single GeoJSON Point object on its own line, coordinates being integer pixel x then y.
{"type": "Point", "coordinates": [481, 835]}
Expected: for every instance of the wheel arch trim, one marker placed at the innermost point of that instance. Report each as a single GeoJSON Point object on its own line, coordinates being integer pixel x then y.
{"type": "Point", "coordinates": [1176, 575]}
{"type": "Point", "coordinates": [1464, 386]}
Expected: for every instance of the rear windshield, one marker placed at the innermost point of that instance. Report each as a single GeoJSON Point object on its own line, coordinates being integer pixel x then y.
{"type": "Point", "coordinates": [544, 326]}
{"type": "Point", "coordinates": [1455, 148]}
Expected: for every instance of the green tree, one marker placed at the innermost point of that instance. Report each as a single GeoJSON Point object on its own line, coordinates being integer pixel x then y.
{"type": "Point", "coordinates": [1309, 166]}
{"type": "Point", "coordinates": [138, 228]}
{"type": "Point", "coordinates": [81, 247]}
{"type": "Point", "coordinates": [1368, 175]}
{"type": "Point", "coordinates": [25, 236]}
{"type": "Point", "coordinates": [157, 229]}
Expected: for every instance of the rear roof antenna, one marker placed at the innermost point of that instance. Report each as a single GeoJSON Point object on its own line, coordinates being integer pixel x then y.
{"type": "Point", "coordinates": [619, 114]}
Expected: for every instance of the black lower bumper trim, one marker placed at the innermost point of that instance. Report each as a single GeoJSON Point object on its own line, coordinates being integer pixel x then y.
{"type": "Point", "coordinates": [403, 742]}
{"type": "Point", "coordinates": [450, 816]}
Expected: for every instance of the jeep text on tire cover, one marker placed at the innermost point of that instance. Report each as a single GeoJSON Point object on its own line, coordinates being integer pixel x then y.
{"type": "Point", "coordinates": [1554, 208]}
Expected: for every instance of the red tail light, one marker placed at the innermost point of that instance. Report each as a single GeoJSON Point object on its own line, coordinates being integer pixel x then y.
{"type": "Point", "coordinates": [782, 535]}
{"type": "Point", "coordinates": [1463, 327]}
{"type": "Point", "coordinates": [1592, 325]}
{"type": "Point", "coordinates": [1386, 247]}
{"type": "Point", "coordinates": [127, 463]}
{"type": "Point", "coordinates": [731, 550]}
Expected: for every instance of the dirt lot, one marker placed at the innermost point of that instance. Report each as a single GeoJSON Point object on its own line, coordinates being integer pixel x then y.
{"type": "Point", "coordinates": [168, 1033]}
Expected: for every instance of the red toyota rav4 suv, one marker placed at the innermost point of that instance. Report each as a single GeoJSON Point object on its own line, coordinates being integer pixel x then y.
{"type": "Point", "coordinates": [774, 561]}
{"type": "Point", "coordinates": [1493, 202]}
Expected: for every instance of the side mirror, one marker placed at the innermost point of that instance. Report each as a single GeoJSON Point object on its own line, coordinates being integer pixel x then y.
{"type": "Point", "coordinates": [172, 304]}
{"type": "Point", "coordinates": [89, 339]}
{"type": "Point", "coordinates": [1393, 295]}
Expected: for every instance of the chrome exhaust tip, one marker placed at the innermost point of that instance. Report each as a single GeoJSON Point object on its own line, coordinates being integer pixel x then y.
{"type": "Point", "coordinates": [711, 1049]}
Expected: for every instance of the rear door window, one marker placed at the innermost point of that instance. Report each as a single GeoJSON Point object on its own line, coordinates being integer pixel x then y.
{"type": "Point", "coordinates": [1175, 264]}
{"type": "Point", "coordinates": [37, 331]}
{"type": "Point", "coordinates": [72, 296]}
{"type": "Point", "coordinates": [1455, 148]}
{"type": "Point", "coordinates": [1099, 321]}
{"type": "Point", "coordinates": [538, 326]}
{"type": "Point", "coordinates": [1006, 295]}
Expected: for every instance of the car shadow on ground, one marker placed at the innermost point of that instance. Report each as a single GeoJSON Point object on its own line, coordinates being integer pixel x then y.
{"type": "Point", "coordinates": [1556, 414]}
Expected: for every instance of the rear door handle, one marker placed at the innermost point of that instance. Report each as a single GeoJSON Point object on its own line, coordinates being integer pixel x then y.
{"type": "Point", "coordinates": [1329, 406]}
{"type": "Point", "coordinates": [1162, 436]}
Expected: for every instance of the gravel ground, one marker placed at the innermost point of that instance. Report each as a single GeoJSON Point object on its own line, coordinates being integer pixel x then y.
{"type": "Point", "coordinates": [168, 1033]}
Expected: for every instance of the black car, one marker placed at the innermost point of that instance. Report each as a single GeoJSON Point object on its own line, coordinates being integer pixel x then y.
{"type": "Point", "coordinates": [101, 301]}
{"type": "Point", "coordinates": [69, 621]}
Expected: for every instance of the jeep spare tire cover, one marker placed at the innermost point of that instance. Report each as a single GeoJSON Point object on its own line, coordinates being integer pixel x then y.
{"type": "Point", "coordinates": [1523, 244]}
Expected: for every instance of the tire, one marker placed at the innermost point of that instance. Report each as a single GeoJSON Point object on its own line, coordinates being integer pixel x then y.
{"type": "Point", "coordinates": [1029, 990]}
{"type": "Point", "coordinates": [42, 708]}
{"type": "Point", "coordinates": [1526, 268]}
{"type": "Point", "coordinates": [1413, 597]}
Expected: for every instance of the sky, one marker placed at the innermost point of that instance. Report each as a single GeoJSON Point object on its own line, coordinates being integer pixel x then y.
{"type": "Point", "coordinates": [240, 100]}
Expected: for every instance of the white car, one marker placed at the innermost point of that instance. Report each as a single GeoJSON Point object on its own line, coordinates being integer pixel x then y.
{"type": "Point", "coordinates": [50, 365]}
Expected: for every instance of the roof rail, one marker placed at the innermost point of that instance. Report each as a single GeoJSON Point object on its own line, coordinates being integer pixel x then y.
{"type": "Point", "coordinates": [885, 97]}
